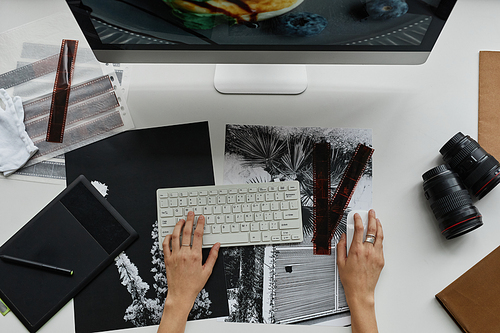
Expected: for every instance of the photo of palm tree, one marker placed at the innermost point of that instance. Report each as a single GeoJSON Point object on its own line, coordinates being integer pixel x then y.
{"type": "Point", "coordinates": [287, 284]}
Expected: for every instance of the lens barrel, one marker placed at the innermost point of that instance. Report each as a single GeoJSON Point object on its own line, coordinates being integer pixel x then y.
{"type": "Point", "coordinates": [479, 170]}
{"type": "Point", "coordinates": [450, 202]}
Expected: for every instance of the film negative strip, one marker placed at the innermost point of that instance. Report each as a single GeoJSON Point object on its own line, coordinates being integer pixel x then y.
{"type": "Point", "coordinates": [76, 113]}
{"type": "Point", "coordinates": [75, 135]}
{"type": "Point", "coordinates": [321, 194]}
{"type": "Point", "coordinates": [79, 92]}
{"type": "Point", "coordinates": [29, 72]}
{"type": "Point", "coordinates": [340, 201]}
{"type": "Point", "coordinates": [60, 94]}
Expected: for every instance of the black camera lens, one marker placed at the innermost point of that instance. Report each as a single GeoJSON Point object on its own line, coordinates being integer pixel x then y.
{"type": "Point", "coordinates": [477, 168]}
{"type": "Point", "coordinates": [450, 202]}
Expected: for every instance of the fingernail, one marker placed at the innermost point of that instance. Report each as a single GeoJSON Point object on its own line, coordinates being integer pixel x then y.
{"type": "Point", "coordinates": [190, 213]}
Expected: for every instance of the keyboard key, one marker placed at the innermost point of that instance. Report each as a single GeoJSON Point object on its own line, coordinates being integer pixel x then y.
{"type": "Point", "coordinates": [232, 238]}
{"type": "Point", "coordinates": [169, 222]}
{"type": "Point", "coordinates": [291, 214]}
{"type": "Point", "coordinates": [289, 225]}
{"type": "Point", "coordinates": [255, 237]}
{"type": "Point", "coordinates": [166, 212]}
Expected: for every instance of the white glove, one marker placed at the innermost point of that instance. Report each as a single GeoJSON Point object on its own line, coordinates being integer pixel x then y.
{"type": "Point", "coordinates": [16, 147]}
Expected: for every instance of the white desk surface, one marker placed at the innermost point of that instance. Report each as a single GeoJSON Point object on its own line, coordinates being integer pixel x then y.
{"type": "Point", "coordinates": [413, 111]}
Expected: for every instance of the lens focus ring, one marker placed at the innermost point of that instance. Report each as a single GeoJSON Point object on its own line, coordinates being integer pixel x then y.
{"type": "Point", "coordinates": [453, 141]}
{"type": "Point", "coordinates": [451, 202]}
{"type": "Point", "coordinates": [465, 152]}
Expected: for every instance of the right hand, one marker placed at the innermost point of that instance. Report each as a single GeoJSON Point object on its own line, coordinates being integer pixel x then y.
{"type": "Point", "coordinates": [360, 271]}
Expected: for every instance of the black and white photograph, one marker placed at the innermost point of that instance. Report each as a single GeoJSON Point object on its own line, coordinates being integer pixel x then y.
{"type": "Point", "coordinates": [127, 169]}
{"type": "Point", "coordinates": [290, 284]}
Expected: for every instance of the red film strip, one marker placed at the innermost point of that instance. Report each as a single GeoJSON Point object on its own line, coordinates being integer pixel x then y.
{"type": "Point", "coordinates": [321, 194]}
{"type": "Point", "coordinates": [338, 204]}
{"type": "Point", "coordinates": [60, 93]}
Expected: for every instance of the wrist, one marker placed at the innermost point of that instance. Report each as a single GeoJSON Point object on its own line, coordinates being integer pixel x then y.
{"type": "Point", "coordinates": [179, 307]}
{"type": "Point", "coordinates": [363, 317]}
{"type": "Point", "coordinates": [362, 302]}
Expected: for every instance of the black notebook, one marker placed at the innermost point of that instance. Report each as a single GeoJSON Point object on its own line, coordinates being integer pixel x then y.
{"type": "Point", "coordinates": [78, 230]}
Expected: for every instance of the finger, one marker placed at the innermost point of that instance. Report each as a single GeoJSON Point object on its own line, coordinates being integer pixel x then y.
{"type": "Point", "coordinates": [188, 229]}
{"type": "Point", "coordinates": [372, 223]}
{"type": "Point", "coordinates": [359, 230]}
{"type": "Point", "coordinates": [166, 246]}
{"type": "Point", "coordinates": [211, 259]}
{"type": "Point", "coordinates": [380, 235]}
{"type": "Point", "coordinates": [198, 232]}
{"type": "Point", "coordinates": [7, 100]}
{"type": "Point", "coordinates": [176, 235]}
{"type": "Point", "coordinates": [18, 108]}
{"type": "Point", "coordinates": [341, 250]}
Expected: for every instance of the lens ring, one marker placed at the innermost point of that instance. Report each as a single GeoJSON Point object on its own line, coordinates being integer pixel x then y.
{"type": "Point", "coordinates": [450, 202]}
{"type": "Point", "coordinates": [463, 153]}
{"type": "Point", "coordinates": [452, 142]}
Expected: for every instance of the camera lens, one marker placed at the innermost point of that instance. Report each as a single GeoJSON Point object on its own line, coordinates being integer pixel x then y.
{"type": "Point", "coordinates": [450, 202]}
{"type": "Point", "coordinates": [477, 168]}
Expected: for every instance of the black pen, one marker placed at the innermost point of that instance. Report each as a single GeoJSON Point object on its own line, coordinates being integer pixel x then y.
{"type": "Point", "coordinates": [34, 264]}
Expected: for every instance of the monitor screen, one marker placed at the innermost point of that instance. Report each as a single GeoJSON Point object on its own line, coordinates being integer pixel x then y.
{"type": "Point", "coordinates": [262, 31]}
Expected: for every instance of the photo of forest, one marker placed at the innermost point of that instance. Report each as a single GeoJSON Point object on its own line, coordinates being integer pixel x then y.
{"type": "Point", "coordinates": [286, 284]}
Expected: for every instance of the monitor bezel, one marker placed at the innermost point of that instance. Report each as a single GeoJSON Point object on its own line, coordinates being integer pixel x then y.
{"type": "Point", "coordinates": [257, 54]}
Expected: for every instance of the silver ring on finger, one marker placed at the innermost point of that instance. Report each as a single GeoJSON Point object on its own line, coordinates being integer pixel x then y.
{"type": "Point", "coordinates": [186, 245]}
{"type": "Point", "coordinates": [370, 239]}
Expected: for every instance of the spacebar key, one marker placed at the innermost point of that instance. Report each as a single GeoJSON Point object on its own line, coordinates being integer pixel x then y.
{"type": "Point", "coordinates": [224, 239]}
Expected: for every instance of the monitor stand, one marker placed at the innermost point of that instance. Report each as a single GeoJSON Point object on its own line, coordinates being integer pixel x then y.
{"type": "Point", "coordinates": [260, 79]}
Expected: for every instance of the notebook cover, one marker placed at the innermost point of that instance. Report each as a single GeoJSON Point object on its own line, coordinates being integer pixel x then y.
{"type": "Point", "coordinates": [78, 230]}
{"type": "Point", "coordinates": [472, 300]}
{"type": "Point", "coordinates": [489, 99]}
{"type": "Point", "coordinates": [131, 166]}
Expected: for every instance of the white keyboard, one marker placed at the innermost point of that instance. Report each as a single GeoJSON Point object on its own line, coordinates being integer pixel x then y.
{"type": "Point", "coordinates": [236, 215]}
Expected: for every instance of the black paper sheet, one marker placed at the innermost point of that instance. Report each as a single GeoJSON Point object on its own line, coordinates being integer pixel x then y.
{"type": "Point", "coordinates": [128, 168]}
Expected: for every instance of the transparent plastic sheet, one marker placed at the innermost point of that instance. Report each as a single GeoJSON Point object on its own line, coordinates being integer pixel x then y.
{"type": "Point", "coordinates": [96, 103]}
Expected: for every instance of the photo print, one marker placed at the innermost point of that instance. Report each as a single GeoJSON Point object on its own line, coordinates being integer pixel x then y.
{"type": "Point", "coordinates": [127, 169]}
{"type": "Point", "coordinates": [290, 284]}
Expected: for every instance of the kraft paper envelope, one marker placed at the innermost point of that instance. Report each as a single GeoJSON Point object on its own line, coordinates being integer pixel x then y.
{"type": "Point", "coordinates": [489, 102]}
{"type": "Point", "coordinates": [472, 300]}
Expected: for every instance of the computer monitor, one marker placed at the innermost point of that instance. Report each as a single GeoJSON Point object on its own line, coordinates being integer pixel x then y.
{"type": "Point", "coordinates": [265, 39]}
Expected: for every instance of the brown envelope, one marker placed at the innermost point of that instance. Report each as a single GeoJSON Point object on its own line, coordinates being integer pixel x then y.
{"type": "Point", "coordinates": [489, 102]}
{"type": "Point", "coordinates": [473, 300]}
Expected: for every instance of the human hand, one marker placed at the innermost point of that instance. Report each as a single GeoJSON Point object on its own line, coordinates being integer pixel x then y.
{"type": "Point", "coordinates": [360, 271]}
{"type": "Point", "coordinates": [186, 274]}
